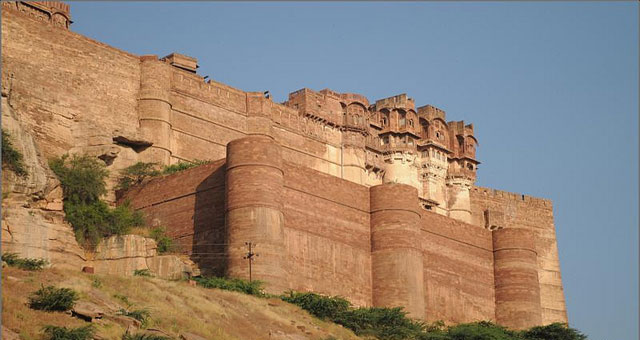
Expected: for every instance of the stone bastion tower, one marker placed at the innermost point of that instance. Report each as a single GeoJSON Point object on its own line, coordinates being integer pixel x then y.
{"type": "Point", "coordinates": [372, 200]}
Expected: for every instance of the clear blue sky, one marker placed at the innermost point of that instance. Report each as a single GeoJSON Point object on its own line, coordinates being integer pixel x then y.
{"type": "Point", "coordinates": [551, 88]}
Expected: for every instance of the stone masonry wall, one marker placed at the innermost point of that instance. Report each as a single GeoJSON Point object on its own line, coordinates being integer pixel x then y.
{"type": "Point", "coordinates": [327, 234]}
{"type": "Point", "coordinates": [190, 204]}
{"type": "Point", "coordinates": [69, 90]}
{"type": "Point", "coordinates": [71, 94]}
{"type": "Point", "coordinates": [458, 270]}
{"type": "Point", "coordinates": [535, 214]}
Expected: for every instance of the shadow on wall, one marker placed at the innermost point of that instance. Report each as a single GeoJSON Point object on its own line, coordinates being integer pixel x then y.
{"type": "Point", "coordinates": [209, 246]}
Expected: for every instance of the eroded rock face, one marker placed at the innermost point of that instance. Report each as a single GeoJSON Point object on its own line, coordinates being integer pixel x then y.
{"type": "Point", "coordinates": [122, 255]}
{"type": "Point", "coordinates": [35, 233]}
{"type": "Point", "coordinates": [33, 223]}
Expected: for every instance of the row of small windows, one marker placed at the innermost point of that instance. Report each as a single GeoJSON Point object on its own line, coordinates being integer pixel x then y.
{"type": "Point", "coordinates": [402, 120]}
{"type": "Point", "coordinates": [398, 140]}
{"type": "Point", "coordinates": [435, 154]}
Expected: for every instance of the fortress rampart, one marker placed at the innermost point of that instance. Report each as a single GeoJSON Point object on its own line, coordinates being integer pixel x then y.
{"type": "Point", "coordinates": [371, 200]}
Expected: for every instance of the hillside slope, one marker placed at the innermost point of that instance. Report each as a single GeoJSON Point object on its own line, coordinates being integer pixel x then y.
{"type": "Point", "coordinates": [176, 308]}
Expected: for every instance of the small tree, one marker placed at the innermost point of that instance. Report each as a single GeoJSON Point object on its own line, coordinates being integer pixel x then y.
{"type": "Point", "coordinates": [136, 174]}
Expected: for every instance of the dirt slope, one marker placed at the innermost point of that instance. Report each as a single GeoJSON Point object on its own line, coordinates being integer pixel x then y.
{"type": "Point", "coordinates": [175, 306]}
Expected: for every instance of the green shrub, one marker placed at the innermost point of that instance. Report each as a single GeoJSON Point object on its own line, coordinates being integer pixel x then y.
{"type": "Point", "coordinates": [123, 218]}
{"type": "Point", "coordinates": [12, 159]}
{"type": "Point", "coordinates": [483, 330]}
{"type": "Point", "coordinates": [123, 299]}
{"type": "Point", "coordinates": [13, 260]}
{"type": "Point", "coordinates": [143, 336]}
{"type": "Point", "coordinates": [141, 315]}
{"type": "Point", "coordinates": [91, 222]}
{"type": "Point", "coordinates": [142, 272]}
{"type": "Point", "coordinates": [237, 285]}
{"type": "Point", "coordinates": [51, 298]}
{"type": "Point", "coordinates": [136, 174]}
{"type": "Point", "coordinates": [164, 242]}
{"type": "Point", "coordinates": [63, 333]}
{"type": "Point", "coordinates": [83, 183]}
{"type": "Point", "coordinates": [82, 177]}
{"type": "Point", "coordinates": [554, 331]}
{"type": "Point", "coordinates": [323, 307]}
{"type": "Point", "coordinates": [181, 166]}
{"type": "Point", "coordinates": [383, 323]}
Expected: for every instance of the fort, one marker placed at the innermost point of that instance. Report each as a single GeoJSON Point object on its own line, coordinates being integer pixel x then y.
{"type": "Point", "coordinates": [373, 201]}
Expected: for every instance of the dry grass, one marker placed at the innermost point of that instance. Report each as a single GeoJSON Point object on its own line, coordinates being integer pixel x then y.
{"type": "Point", "coordinates": [174, 305]}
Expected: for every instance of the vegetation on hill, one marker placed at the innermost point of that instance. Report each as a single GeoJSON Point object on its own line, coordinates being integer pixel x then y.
{"type": "Point", "coordinates": [13, 260]}
{"type": "Point", "coordinates": [164, 242]}
{"type": "Point", "coordinates": [393, 323]}
{"type": "Point", "coordinates": [235, 285]}
{"type": "Point", "coordinates": [174, 308]}
{"type": "Point", "coordinates": [51, 298]}
{"type": "Point", "coordinates": [64, 333]}
{"type": "Point", "coordinates": [12, 159]}
{"type": "Point", "coordinates": [83, 184]}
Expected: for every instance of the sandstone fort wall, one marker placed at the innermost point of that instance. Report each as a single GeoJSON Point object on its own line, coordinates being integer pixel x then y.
{"type": "Point", "coordinates": [302, 179]}
{"type": "Point", "coordinates": [458, 265]}
{"type": "Point", "coordinates": [536, 215]}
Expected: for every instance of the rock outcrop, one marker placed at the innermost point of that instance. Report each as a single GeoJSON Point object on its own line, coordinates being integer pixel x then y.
{"type": "Point", "coordinates": [123, 255]}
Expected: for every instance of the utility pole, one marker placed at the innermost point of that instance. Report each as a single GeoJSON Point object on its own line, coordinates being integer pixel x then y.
{"type": "Point", "coordinates": [249, 256]}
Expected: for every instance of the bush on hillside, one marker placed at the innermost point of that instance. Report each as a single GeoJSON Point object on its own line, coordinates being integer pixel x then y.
{"type": "Point", "coordinates": [482, 330]}
{"type": "Point", "coordinates": [91, 222]}
{"type": "Point", "coordinates": [323, 307]}
{"type": "Point", "coordinates": [554, 331]}
{"type": "Point", "coordinates": [63, 333]}
{"type": "Point", "coordinates": [82, 178]}
{"type": "Point", "coordinates": [12, 159]}
{"type": "Point", "coordinates": [142, 315]}
{"type": "Point", "coordinates": [13, 260]}
{"type": "Point", "coordinates": [83, 183]}
{"type": "Point", "coordinates": [164, 242]}
{"type": "Point", "coordinates": [383, 323]}
{"type": "Point", "coordinates": [51, 298]}
{"type": "Point", "coordinates": [237, 285]}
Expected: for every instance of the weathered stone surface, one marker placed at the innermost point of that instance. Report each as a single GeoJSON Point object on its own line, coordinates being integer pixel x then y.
{"type": "Point", "coordinates": [87, 311]}
{"type": "Point", "coordinates": [34, 233]}
{"type": "Point", "coordinates": [122, 255]}
{"type": "Point", "coordinates": [191, 336]}
{"type": "Point", "coordinates": [171, 267]}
